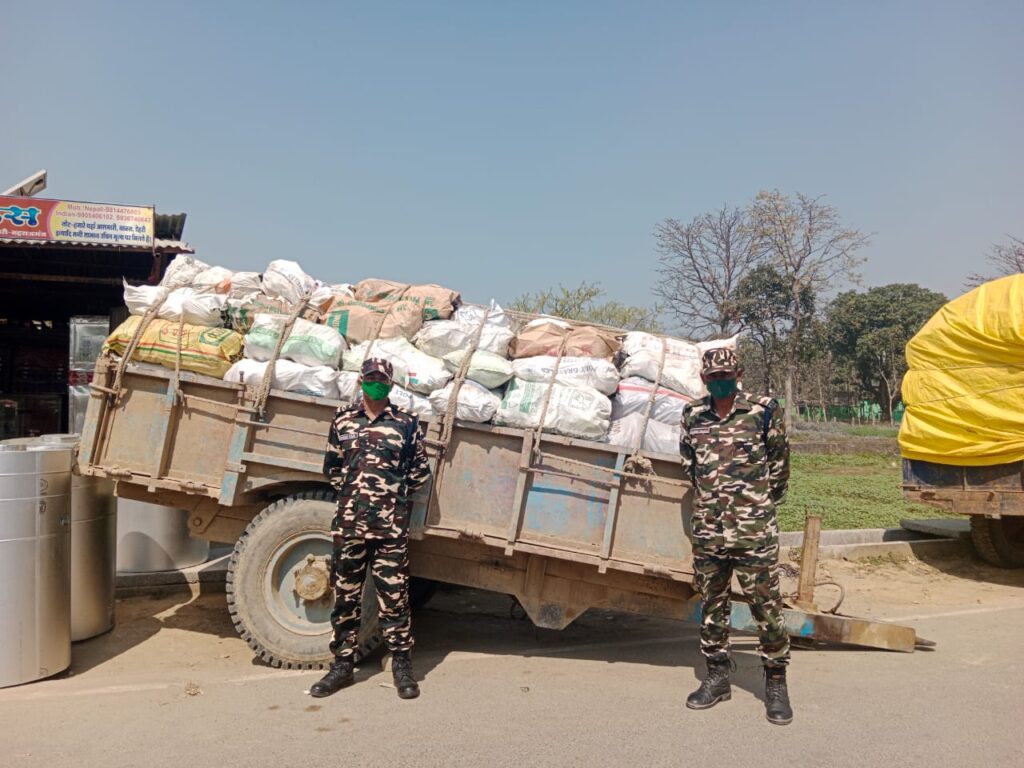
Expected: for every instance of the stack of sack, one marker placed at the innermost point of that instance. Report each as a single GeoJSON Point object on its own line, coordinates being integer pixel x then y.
{"type": "Point", "coordinates": [680, 384]}
{"type": "Point", "coordinates": [189, 321]}
{"type": "Point", "coordinates": [578, 404]}
{"type": "Point", "coordinates": [231, 324]}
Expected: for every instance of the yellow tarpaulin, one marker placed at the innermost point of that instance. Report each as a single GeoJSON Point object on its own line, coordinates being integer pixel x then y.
{"type": "Point", "coordinates": [964, 392]}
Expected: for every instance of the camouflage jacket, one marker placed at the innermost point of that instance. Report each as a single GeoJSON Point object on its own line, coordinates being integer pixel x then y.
{"type": "Point", "coordinates": [374, 466]}
{"type": "Point", "coordinates": [739, 467]}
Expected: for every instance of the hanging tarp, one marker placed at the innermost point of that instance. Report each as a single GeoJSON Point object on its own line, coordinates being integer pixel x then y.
{"type": "Point", "coordinates": [964, 391]}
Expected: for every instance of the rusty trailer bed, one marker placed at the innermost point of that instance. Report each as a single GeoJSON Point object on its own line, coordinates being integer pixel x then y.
{"type": "Point", "coordinates": [563, 534]}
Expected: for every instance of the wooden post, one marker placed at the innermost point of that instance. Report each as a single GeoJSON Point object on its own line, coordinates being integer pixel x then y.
{"type": "Point", "coordinates": [809, 563]}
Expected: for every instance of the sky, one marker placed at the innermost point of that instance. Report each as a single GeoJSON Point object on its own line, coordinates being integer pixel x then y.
{"type": "Point", "coordinates": [502, 148]}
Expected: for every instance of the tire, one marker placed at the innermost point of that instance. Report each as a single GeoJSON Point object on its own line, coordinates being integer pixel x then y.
{"type": "Point", "coordinates": [282, 629]}
{"type": "Point", "coordinates": [999, 542]}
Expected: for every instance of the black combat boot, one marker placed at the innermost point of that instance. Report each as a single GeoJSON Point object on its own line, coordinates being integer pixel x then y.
{"type": "Point", "coordinates": [713, 689]}
{"type": "Point", "coordinates": [338, 676]}
{"type": "Point", "coordinates": [401, 669]}
{"type": "Point", "coordinates": [776, 697]}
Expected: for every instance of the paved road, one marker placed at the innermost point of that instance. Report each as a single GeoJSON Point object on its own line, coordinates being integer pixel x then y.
{"type": "Point", "coordinates": [174, 686]}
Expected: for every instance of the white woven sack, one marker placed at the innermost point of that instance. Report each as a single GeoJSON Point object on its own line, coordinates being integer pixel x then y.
{"type": "Point", "coordinates": [414, 403]}
{"type": "Point", "coordinates": [476, 402]}
{"type": "Point", "coordinates": [637, 341]}
{"type": "Point", "coordinates": [348, 386]}
{"type": "Point", "coordinates": [204, 309]}
{"type": "Point", "coordinates": [182, 271]}
{"type": "Point", "coordinates": [595, 372]}
{"type": "Point", "coordinates": [318, 381]}
{"type": "Point", "coordinates": [659, 438]}
{"type": "Point", "coordinates": [245, 284]}
{"type": "Point", "coordinates": [285, 279]}
{"type": "Point", "coordinates": [681, 374]}
{"type": "Point", "coordinates": [633, 394]}
{"type": "Point", "coordinates": [730, 343]}
{"type": "Point", "coordinates": [442, 337]}
{"type": "Point", "coordinates": [413, 369]}
{"type": "Point", "coordinates": [208, 280]}
{"type": "Point", "coordinates": [574, 411]}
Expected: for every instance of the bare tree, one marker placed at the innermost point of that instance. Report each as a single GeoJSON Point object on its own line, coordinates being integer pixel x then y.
{"type": "Point", "coordinates": [812, 251]}
{"type": "Point", "coordinates": [701, 263]}
{"type": "Point", "coordinates": [1007, 258]}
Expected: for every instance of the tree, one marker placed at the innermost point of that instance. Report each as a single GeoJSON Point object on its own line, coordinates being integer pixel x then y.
{"type": "Point", "coordinates": [581, 303]}
{"type": "Point", "coordinates": [870, 331]}
{"type": "Point", "coordinates": [762, 305]}
{"type": "Point", "coordinates": [810, 248]}
{"type": "Point", "coordinates": [701, 264]}
{"type": "Point", "coordinates": [1006, 258]}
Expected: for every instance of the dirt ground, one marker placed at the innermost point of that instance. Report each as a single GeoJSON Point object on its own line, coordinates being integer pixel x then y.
{"type": "Point", "coordinates": [172, 685]}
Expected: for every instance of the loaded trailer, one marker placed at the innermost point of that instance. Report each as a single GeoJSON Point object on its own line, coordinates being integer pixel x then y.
{"type": "Point", "coordinates": [992, 496]}
{"type": "Point", "coordinates": [561, 524]}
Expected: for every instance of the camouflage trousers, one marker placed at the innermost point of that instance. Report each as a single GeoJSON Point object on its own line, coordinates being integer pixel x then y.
{"type": "Point", "coordinates": [757, 572]}
{"type": "Point", "coordinates": [388, 562]}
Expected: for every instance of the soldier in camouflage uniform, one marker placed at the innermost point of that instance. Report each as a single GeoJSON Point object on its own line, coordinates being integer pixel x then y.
{"type": "Point", "coordinates": [375, 457]}
{"type": "Point", "coordinates": [735, 450]}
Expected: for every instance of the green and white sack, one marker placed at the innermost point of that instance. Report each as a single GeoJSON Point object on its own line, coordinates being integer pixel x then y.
{"type": "Point", "coordinates": [485, 368]}
{"type": "Point", "coordinates": [573, 411]}
{"type": "Point", "coordinates": [308, 343]}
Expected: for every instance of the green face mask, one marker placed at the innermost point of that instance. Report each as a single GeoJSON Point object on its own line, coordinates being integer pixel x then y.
{"type": "Point", "coordinates": [721, 388]}
{"type": "Point", "coordinates": [376, 390]}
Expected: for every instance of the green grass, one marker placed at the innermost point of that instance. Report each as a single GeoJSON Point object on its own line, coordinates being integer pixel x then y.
{"type": "Point", "coordinates": [849, 491]}
{"type": "Point", "coordinates": [812, 431]}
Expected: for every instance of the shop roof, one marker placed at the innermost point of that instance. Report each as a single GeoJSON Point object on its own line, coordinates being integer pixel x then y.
{"type": "Point", "coordinates": [160, 245]}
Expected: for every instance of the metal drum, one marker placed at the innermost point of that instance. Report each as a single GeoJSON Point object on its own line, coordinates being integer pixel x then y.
{"type": "Point", "coordinates": [35, 562]}
{"type": "Point", "coordinates": [93, 550]}
{"type": "Point", "coordinates": [155, 538]}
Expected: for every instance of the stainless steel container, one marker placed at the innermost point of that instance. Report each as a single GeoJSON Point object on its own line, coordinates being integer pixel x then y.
{"type": "Point", "coordinates": [88, 334]}
{"type": "Point", "coordinates": [93, 550]}
{"type": "Point", "coordinates": [155, 538]}
{"type": "Point", "coordinates": [78, 402]}
{"type": "Point", "coordinates": [35, 562]}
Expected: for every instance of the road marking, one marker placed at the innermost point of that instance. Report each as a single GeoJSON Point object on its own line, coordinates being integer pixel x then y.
{"type": "Point", "coordinates": [277, 674]}
{"type": "Point", "coordinates": [968, 612]}
{"type": "Point", "coordinates": [98, 691]}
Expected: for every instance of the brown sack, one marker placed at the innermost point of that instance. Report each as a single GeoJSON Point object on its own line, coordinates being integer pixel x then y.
{"type": "Point", "coordinates": [356, 320]}
{"type": "Point", "coordinates": [437, 302]}
{"type": "Point", "coordinates": [588, 341]}
{"type": "Point", "coordinates": [544, 337]}
{"type": "Point", "coordinates": [541, 337]}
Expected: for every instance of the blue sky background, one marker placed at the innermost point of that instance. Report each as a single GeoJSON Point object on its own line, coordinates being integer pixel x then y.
{"type": "Point", "coordinates": [500, 148]}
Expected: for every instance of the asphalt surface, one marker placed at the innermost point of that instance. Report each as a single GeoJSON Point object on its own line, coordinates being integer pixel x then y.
{"type": "Point", "coordinates": [172, 685]}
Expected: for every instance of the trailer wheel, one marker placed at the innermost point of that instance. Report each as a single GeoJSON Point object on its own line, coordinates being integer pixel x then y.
{"type": "Point", "coordinates": [278, 584]}
{"type": "Point", "coordinates": [999, 542]}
